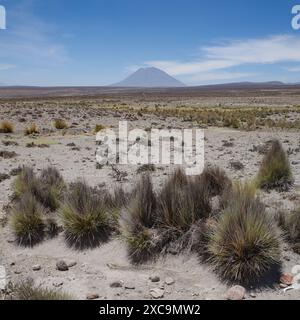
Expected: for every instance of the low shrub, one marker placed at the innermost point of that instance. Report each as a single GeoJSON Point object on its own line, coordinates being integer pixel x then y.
{"type": "Point", "coordinates": [27, 220]}
{"type": "Point", "coordinates": [243, 245]}
{"type": "Point", "coordinates": [84, 217]}
{"type": "Point", "coordinates": [275, 171]}
{"type": "Point", "coordinates": [32, 129]}
{"type": "Point", "coordinates": [290, 223]}
{"type": "Point", "coordinates": [6, 127]}
{"type": "Point", "coordinates": [60, 124]}
{"type": "Point", "coordinates": [27, 290]}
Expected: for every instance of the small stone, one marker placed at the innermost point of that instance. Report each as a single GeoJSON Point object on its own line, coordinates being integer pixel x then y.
{"type": "Point", "coordinates": [92, 296]}
{"type": "Point", "coordinates": [62, 266]}
{"type": "Point", "coordinates": [57, 284]}
{"type": "Point", "coordinates": [283, 286]}
{"type": "Point", "coordinates": [154, 278]}
{"type": "Point", "coordinates": [36, 267]}
{"type": "Point", "coordinates": [116, 284]}
{"type": "Point", "coordinates": [236, 293]}
{"type": "Point", "coordinates": [169, 281]}
{"type": "Point", "coordinates": [252, 295]}
{"type": "Point", "coordinates": [71, 264]}
{"type": "Point", "coordinates": [157, 293]}
{"type": "Point", "coordinates": [18, 271]}
{"type": "Point", "coordinates": [129, 286]}
{"type": "Point", "coordinates": [287, 279]}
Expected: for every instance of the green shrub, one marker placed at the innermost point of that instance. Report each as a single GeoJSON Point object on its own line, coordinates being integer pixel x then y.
{"type": "Point", "coordinates": [60, 124]}
{"type": "Point", "coordinates": [27, 220]}
{"type": "Point", "coordinates": [291, 226]}
{"type": "Point", "coordinates": [243, 245]}
{"type": "Point", "coordinates": [275, 171]}
{"type": "Point", "coordinates": [84, 217]}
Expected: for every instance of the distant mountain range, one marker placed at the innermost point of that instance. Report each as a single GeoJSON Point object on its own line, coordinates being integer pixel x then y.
{"type": "Point", "coordinates": [149, 78]}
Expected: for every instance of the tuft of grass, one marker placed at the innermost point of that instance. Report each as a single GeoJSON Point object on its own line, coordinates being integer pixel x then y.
{"type": "Point", "coordinates": [27, 290]}
{"type": "Point", "coordinates": [99, 127]}
{"type": "Point", "coordinates": [6, 127]}
{"type": "Point", "coordinates": [290, 223]}
{"type": "Point", "coordinates": [275, 171]}
{"type": "Point", "coordinates": [215, 180]}
{"type": "Point", "coordinates": [47, 188]}
{"type": "Point", "coordinates": [27, 220]}
{"type": "Point", "coordinates": [84, 217]}
{"type": "Point", "coordinates": [32, 129]}
{"type": "Point", "coordinates": [243, 245]}
{"type": "Point", "coordinates": [183, 201]}
{"type": "Point", "coordinates": [60, 124]}
{"type": "Point", "coordinates": [137, 221]}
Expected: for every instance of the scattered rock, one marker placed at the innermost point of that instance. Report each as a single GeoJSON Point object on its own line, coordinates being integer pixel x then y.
{"type": "Point", "coordinates": [129, 286]}
{"type": "Point", "coordinates": [71, 264]}
{"type": "Point", "coordinates": [236, 165]}
{"type": "Point", "coordinates": [18, 271]}
{"type": "Point", "coordinates": [92, 296]}
{"type": "Point", "coordinates": [157, 293]}
{"type": "Point", "coordinates": [116, 284]}
{"type": "Point", "coordinates": [169, 281]}
{"type": "Point", "coordinates": [154, 278]}
{"type": "Point", "coordinates": [62, 266]}
{"type": "Point", "coordinates": [236, 293]}
{"type": "Point", "coordinates": [286, 279]}
{"type": "Point", "coordinates": [36, 267]}
{"type": "Point", "coordinates": [57, 284]}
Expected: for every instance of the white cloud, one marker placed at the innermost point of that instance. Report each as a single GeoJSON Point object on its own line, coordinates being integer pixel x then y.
{"type": "Point", "coordinates": [213, 59]}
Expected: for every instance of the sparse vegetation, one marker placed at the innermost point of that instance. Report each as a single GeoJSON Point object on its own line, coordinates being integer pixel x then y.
{"type": "Point", "coordinates": [275, 171]}
{"type": "Point", "coordinates": [99, 127]}
{"type": "Point", "coordinates": [290, 223]}
{"type": "Point", "coordinates": [27, 290]}
{"type": "Point", "coordinates": [243, 245]}
{"type": "Point", "coordinates": [32, 129]}
{"type": "Point", "coordinates": [84, 217]}
{"type": "Point", "coordinates": [60, 124]}
{"type": "Point", "coordinates": [27, 220]}
{"type": "Point", "coordinates": [6, 127]}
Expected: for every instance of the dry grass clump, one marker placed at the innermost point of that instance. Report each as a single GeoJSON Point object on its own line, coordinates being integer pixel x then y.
{"type": "Point", "coordinates": [153, 222]}
{"type": "Point", "coordinates": [32, 129]}
{"type": "Point", "coordinates": [48, 187]}
{"type": "Point", "coordinates": [243, 245]}
{"type": "Point", "coordinates": [99, 127]}
{"type": "Point", "coordinates": [27, 220]}
{"type": "Point", "coordinates": [84, 217]}
{"type": "Point", "coordinates": [27, 290]}
{"type": "Point", "coordinates": [60, 124]}
{"type": "Point", "coordinates": [290, 223]}
{"type": "Point", "coordinates": [275, 171]}
{"type": "Point", "coordinates": [6, 127]}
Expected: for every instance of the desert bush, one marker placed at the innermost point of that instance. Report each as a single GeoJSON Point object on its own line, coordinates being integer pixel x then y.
{"type": "Point", "coordinates": [215, 180]}
{"type": "Point", "coordinates": [27, 290]}
{"type": "Point", "coordinates": [32, 129]}
{"type": "Point", "coordinates": [138, 219]}
{"type": "Point", "coordinates": [47, 188]}
{"type": "Point", "coordinates": [27, 220]}
{"type": "Point", "coordinates": [99, 127]}
{"type": "Point", "coordinates": [182, 201]}
{"type": "Point", "coordinates": [6, 127]}
{"type": "Point", "coordinates": [243, 245]}
{"type": "Point", "coordinates": [290, 223]}
{"type": "Point", "coordinates": [60, 124]}
{"type": "Point", "coordinates": [275, 171]}
{"type": "Point", "coordinates": [84, 217]}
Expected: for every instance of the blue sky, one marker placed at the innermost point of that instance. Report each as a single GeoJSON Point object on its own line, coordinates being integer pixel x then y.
{"type": "Point", "coordinates": [99, 42]}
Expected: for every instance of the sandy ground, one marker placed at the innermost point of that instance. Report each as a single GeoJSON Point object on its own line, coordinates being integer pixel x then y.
{"type": "Point", "coordinates": [96, 269]}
